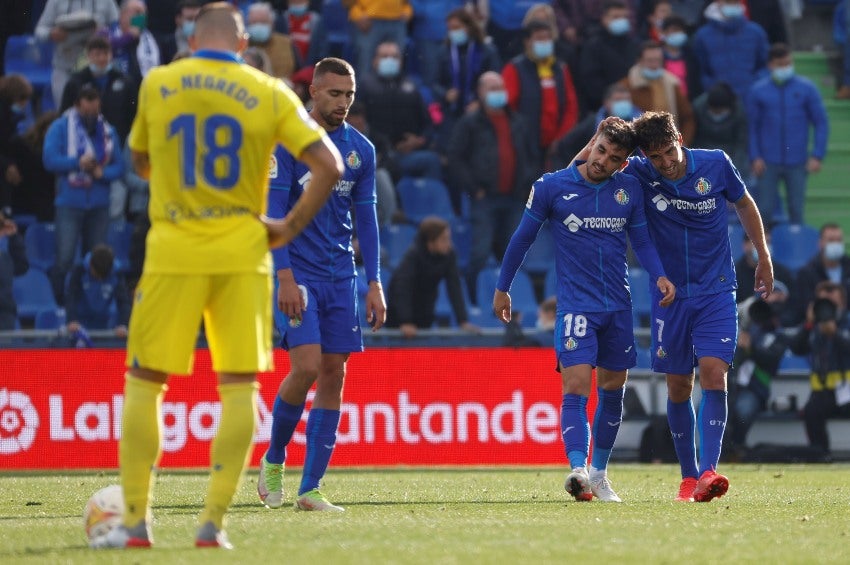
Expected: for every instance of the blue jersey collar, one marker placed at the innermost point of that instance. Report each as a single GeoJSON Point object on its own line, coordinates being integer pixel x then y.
{"type": "Point", "coordinates": [214, 54]}
{"type": "Point", "coordinates": [341, 132]}
{"type": "Point", "coordinates": [579, 178]}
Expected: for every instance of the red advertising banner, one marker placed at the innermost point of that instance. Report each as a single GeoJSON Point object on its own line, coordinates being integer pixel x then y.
{"type": "Point", "coordinates": [61, 409]}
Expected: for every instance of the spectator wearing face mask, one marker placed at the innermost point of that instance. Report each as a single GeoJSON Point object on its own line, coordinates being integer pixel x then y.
{"type": "Point", "coordinates": [15, 94]}
{"type": "Point", "coordinates": [607, 56]}
{"type": "Point", "coordinates": [84, 151]}
{"type": "Point", "coordinates": [721, 123]}
{"type": "Point", "coordinates": [134, 48]}
{"type": "Point", "coordinates": [731, 48]}
{"type": "Point", "coordinates": [116, 89]}
{"type": "Point", "coordinates": [679, 56]}
{"type": "Point", "coordinates": [830, 263]}
{"type": "Point", "coordinates": [540, 88]}
{"type": "Point", "coordinates": [279, 47]}
{"type": "Point", "coordinates": [617, 102]}
{"type": "Point", "coordinates": [784, 111]}
{"type": "Point", "coordinates": [171, 44]}
{"type": "Point", "coordinates": [653, 88]}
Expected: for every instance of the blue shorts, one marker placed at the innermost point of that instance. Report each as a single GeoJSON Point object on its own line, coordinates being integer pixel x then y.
{"type": "Point", "coordinates": [600, 339]}
{"type": "Point", "coordinates": [332, 317]}
{"type": "Point", "coordinates": [691, 328]}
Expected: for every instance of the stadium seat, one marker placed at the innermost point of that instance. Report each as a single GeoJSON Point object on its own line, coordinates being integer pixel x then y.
{"type": "Point", "coordinates": [337, 29]}
{"type": "Point", "coordinates": [644, 357]}
{"type": "Point", "coordinates": [791, 362]}
{"type": "Point", "coordinates": [47, 319]}
{"type": "Point", "coordinates": [443, 313]}
{"type": "Point", "coordinates": [33, 294]}
{"type": "Point", "coordinates": [641, 299]}
{"type": "Point", "coordinates": [522, 295]}
{"type": "Point", "coordinates": [396, 240]}
{"type": "Point", "coordinates": [422, 197]}
{"type": "Point", "coordinates": [793, 245]}
{"type": "Point", "coordinates": [40, 240]}
{"type": "Point", "coordinates": [27, 56]}
{"type": "Point", "coordinates": [118, 237]}
{"type": "Point", "coordinates": [461, 240]}
{"type": "Point", "coordinates": [541, 254]}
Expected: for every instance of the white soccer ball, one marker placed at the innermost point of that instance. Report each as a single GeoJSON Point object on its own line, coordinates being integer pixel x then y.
{"type": "Point", "coordinates": [103, 511]}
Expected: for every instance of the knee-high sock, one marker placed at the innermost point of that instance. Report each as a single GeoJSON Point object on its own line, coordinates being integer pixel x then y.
{"type": "Point", "coordinates": [712, 422]}
{"type": "Point", "coordinates": [230, 448]}
{"type": "Point", "coordinates": [140, 445]}
{"type": "Point", "coordinates": [321, 438]}
{"type": "Point", "coordinates": [682, 420]}
{"type": "Point", "coordinates": [285, 418]}
{"type": "Point", "coordinates": [606, 424]}
{"type": "Point", "coordinates": [574, 429]}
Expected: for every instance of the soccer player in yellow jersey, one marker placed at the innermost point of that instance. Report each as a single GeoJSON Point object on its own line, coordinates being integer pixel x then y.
{"type": "Point", "coordinates": [204, 132]}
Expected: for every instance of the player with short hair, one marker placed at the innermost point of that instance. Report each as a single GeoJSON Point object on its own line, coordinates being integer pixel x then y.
{"type": "Point", "coordinates": [204, 131]}
{"type": "Point", "coordinates": [590, 207]}
{"type": "Point", "coordinates": [317, 302]}
{"type": "Point", "coordinates": [685, 192]}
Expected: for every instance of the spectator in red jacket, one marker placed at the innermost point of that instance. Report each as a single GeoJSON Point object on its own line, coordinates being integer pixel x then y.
{"type": "Point", "coordinates": [540, 88]}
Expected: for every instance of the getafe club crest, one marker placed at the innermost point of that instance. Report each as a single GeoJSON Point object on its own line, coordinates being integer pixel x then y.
{"type": "Point", "coordinates": [702, 186]}
{"type": "Point", "coordinates": [353, 160]}
{"type": "Point", "coordinates": [661, 353]}
{"type": "Point", "coordinates": [273, 167]}
{"type": "Point", "coordinates": [622, 197]}
{"type": "Point", "coordinates": [571, 344]}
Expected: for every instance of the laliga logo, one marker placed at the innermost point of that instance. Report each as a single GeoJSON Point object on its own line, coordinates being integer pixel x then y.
{"type": "Point", "coordinates": [18, 422]}
{"type": "Point", "coordinates": [573, 223]}
{"type": "Point", "coordinates": [660, 202]}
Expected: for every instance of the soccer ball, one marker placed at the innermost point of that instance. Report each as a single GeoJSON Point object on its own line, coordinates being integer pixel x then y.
{"type": "Point", "coordinates": [103, 511]}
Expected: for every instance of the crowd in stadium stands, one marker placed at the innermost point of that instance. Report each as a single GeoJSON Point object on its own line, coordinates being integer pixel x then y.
{"type": "Point", "coordinates": [466, 101]}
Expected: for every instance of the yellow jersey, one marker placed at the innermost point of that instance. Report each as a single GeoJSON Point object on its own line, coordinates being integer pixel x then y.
{"type": "Point", "coordinates": [209, 125]}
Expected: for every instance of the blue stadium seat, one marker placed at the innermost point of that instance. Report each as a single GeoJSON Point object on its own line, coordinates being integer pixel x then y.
{"type": "Point", "coordinates": [27, 56]}
{"type": "Point", "coordinates": [33, 294]}
{"type": "Point", "coordinates": [40, 240]}
{"type": "Point", "coordinates": [541, 254]}
{"type": "Point", "coordinates": [791, 362]}
{"type": "Point", "coordinates": [461, 240]}
{"type": "Point", "coordinates": [641, 299]}
{"type": "Point", "coordinates": [47, 319]}
{"type": "Point", "coordinates": [118, 237]}
{"type": "Point", "coordinates": [644, 357]}
{"type": "Point", "coordinates": [522, 295]}
{"type": "Point", "coordinates": [396, 240]}
{"type": "Point", "coordinates": [422, 197]}
{"type": "Point", "coordinates": [443, 312]}
{"type": "Point", "coordinates": [793, 245]}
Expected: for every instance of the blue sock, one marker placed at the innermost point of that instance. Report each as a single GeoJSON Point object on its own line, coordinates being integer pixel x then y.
{"type": "Point", "coordinates": [321, 437]}
{"type": "Point", "coordinates": [681, 417]}
{"type": "Point", "coordinates": [712, 423]}
{"type": "Point", "coordinates": [574, 429]}
{"type": "Point", "coordinates": [285, 417]}
{"type": "Point", "coordinates": [606, 424]}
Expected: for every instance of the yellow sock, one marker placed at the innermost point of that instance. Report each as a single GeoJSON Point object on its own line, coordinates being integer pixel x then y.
{"type": "Point", "coordinates": [140, 445]}
{"type": "Point", "coordinates": [230, 448]}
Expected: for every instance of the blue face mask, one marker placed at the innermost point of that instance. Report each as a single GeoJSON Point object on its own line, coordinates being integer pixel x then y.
{"type": "Point", "coordinates": [651, 74]}
{"type": "Point", "coordinates": [496, 99]}
{"type": "Point", "coordinates": [389, 67]}
{"type": "Point", "coordinates": [260, 32]}
{"type": "Point", "coordinates": [542, 49]}
{"type": "Point", "coordinates": [718, 117]}
{"type": "Point", "coordinates": [676, 39]}
{"type": "Point", "coordinates": [622, 109]}
{"type": "Point", "coordinates": [834, 250]}
{"type": "Point", "coordinates": [188, 28]}
{"type": "Point", "coordinates": [458, 36]}
{"type": "Point", "coordinates": [20, 108]}
{"type": "Point", "coordinates": [782, 74]}
{"type": "Point", "coordinates": [298, 10]}
{"type": "Point", "coordinates": [619, 26]}
{"type": "Point", "coordinates": [99, 71]}
{"type": "Point", "coordinates": [732, 11]}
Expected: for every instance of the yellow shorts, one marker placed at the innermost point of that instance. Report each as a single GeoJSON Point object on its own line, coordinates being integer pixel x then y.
{"type": "Point", "coordinates": [237, 314]}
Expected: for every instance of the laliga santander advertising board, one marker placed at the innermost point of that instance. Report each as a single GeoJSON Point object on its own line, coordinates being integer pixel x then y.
{"type": "Point", "coordinates": [61, 409]}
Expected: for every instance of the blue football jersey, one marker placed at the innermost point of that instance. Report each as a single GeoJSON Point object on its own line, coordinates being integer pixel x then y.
{"type": "Point", "coordinates": [589, 223]}
{"type": "Point", "coordinates": [323, 251]}
{"type": "Point", "coordinates": [689, 220]}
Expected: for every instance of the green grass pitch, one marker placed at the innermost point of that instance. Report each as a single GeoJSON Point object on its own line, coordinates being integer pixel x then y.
{"type": "Point", "coordinates": [772, 514]}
